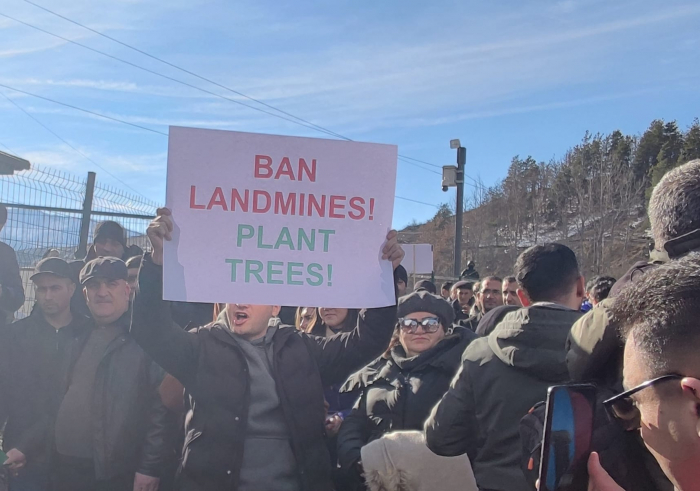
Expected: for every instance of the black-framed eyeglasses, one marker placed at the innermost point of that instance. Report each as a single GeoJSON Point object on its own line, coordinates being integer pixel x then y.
{"type": "Point", "coordinates": [429, 324]}
{"type": "Point", "coordinates": [623, 408]}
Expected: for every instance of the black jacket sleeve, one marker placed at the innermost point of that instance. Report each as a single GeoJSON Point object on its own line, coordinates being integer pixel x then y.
{"type": "Point", "coordinates": [354, 434]}
{"type": "Point", "coordinates": [153, 328]}
{"type": "Point", "coordinates": [160, 430]}
{"type": "Point", "coordinates": [12, 296]}
{"type": "Point", "coordinates": [452, 428]}
{"type": "Point", "coordinates": [340, 355]}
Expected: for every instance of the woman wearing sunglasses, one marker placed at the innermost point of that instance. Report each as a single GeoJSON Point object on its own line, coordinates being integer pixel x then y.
{"type": "Point", "coordinates": [398, 391]}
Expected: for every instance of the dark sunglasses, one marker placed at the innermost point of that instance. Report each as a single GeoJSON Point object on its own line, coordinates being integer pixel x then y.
{"type": "Point", "coordinates": [623, 408]}
{"type": "Point", "coordinates": [429, 324]}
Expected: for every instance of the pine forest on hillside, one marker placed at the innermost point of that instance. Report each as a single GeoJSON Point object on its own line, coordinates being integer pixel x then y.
{"type": "Point", "coordinates": [593, 199]}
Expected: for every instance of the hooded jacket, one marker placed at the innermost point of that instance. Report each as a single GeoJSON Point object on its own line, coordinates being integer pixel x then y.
{"type": "Point", "coordinates": [215, 373]}
{"type": "Point", "coordinates": [397, 393]}
{"type": "Point", "coordinates": [502, 377]}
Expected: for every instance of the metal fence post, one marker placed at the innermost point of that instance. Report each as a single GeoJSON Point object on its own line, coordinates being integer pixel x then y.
{"type": "Point", "coordinates": [87, 211]}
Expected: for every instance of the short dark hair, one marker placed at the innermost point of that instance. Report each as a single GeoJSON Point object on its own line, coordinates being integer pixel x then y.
{"type": "Point", "coordinates": [446, 286]}
{"type": "Point", "coordinates": [3, 215]}
{"type": "Point", "coordinates": [662, 309]}
{"type": "Point", "coordinates": [510, 279]}
{"type": "Point", "coordinates": [599, 287]}
{"type": "Point", "coordinates": [546, 272]}
{"type": "Point", "coordinates": [674, 207]}
{"type": "Point", "coordinates": [491, 278]}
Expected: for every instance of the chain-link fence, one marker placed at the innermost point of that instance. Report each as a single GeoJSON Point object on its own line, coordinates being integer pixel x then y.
{"type": "Point", "coordinates": [53, 210]}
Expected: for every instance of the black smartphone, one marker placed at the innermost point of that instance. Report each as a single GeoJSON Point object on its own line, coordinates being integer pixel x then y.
{"type": "Point", "coordinates": [566, 443]}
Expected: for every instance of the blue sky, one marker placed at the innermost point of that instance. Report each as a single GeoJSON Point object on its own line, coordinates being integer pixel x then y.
{"type": "Point", "coordinates": [507, 77]}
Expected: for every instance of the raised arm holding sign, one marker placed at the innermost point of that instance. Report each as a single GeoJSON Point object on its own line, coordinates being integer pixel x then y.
{"type": "Point", "coordinates": [256, 414]}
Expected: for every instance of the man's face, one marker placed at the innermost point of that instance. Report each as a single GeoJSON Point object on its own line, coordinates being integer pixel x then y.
{"type": "Point", "coordinates": [510, 295]}
{"type": "Point", "coordinates": [53, 293]}
{"type": "Point", "coordinates": [132, 280]}
{"type": "Point", "coordinates": [669, 420]}
{"type": "Point", "coordinates": [401, 286]}
{"type": "Point", "coordinates": [490, 295]}
{"type": "Point", "coordinates": [464, 295]}
{"type": "Point", "coordinates": [250, 321]}
{"type": "Point", "coordinates": [107, 299]}
{"type": "Point", "coordinates": [109, 248]}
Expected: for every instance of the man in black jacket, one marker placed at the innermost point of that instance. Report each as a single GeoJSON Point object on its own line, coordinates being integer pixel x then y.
{"type": "Point", "coordinates": [256, 411]}
{"type": "Point", "coordinates": [11, 289]}
{"type": "Point", "coordinates": [505, 374]}
{"type": "Point", "coordinates": [111, 431]}
{"type": "Point", "coordinates": [32, 352]}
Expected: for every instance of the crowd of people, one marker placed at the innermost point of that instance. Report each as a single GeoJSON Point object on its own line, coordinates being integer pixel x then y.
{"type": "Point", "coordinates": [106, 386]}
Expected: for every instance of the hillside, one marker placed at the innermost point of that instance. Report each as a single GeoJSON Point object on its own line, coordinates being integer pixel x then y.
{"type": "Point", "coordinates": [593, 199]}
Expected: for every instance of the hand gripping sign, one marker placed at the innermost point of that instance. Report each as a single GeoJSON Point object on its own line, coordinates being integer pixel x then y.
{"type": "Point", "coordinates": [278, 220]}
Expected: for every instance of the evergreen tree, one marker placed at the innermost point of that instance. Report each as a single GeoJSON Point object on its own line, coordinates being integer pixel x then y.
{"type": "Point", "coordinates": [669, 155]}
{"type": "Point", "coordinates": [691, 146]}
{"type": "Point", "coordinates": [648, 149]}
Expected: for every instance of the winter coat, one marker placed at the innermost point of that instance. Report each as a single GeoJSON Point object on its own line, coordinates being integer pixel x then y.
{"type": "Point", "coordinates": [12, 297]}
{"type": "Point", "coordinates": [502, 377]}
{"type": "Point", "coordinates": [489, 321]}
{"type": "Point", "coordinates": [214, 371]}
{"type": "Point", "coordinates": [398, 393]}
{"type": "Point", "coordinates": [132, 429]}
{"type": "Point", "coordinates": [33, 354]}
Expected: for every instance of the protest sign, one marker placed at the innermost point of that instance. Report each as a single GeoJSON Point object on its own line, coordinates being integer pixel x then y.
{"type": "Point", "coordinates": [278, 220]}
{"type": "Point", "coordinates": [418, 259]}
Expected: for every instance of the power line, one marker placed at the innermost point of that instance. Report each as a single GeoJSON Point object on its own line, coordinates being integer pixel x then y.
{"type": "Point", "coordinates": [416, 201]}
{"type": "Point", "coordinates": [299, 120]}
{"type": "Point", "coordinates": [184, 70]}
{"type": "Point", "coordinates": [147, 70]}
{"type": "Point", "coordinates": [126, 123]}
{"type": "Point", "coordinates": [84, 110]}
{"type": "Point", "coordinates": [36, 120]}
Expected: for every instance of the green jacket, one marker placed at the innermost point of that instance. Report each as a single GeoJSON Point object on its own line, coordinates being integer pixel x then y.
{"type": "Point", "coordinates": [502, 377]}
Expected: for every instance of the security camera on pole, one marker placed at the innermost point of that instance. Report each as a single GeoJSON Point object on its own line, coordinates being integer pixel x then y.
{"type": "Point", "coordinates": [453, 176]}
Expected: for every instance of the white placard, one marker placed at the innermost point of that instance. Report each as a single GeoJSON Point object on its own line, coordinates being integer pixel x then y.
{"type": "Point", "coordinates": [278, 220]}
{"type": "Point", "coordinates": [418, 259]}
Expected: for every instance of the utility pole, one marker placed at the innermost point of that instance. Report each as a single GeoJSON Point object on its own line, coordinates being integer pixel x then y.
{"type": "Point", "coordinates": [461, 162]}
{"type": "Point", "coordinates": [453, 176]}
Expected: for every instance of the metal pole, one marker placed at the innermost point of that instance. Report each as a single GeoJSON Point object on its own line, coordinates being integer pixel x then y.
{"type": "Point", "coordinates": [461, 162]}
{"type": "Point", "coordinates": [87, 211]}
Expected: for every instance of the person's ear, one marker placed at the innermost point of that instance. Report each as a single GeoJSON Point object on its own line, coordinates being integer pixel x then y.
{"type": "Point", "coordinates": [581, 288]}
{"type": "Point", "coordinates": [128, 290]}
{"type": "Point", "coordinates": [691, 390]}
{"type": "Point", "coordinates": [71, 288]}
{"type": "Point", "coordinates": [524, 299]}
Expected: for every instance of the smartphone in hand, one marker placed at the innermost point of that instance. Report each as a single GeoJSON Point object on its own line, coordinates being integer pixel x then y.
{"type": "Point", "coordinates": [568, 433]}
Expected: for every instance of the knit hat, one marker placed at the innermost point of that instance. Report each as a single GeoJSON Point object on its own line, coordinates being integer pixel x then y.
{"type": "Point", "coordinates": [424, 301]}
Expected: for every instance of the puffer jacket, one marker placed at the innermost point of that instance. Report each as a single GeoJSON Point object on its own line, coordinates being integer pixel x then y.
{"type": "Point", "coordinates": [214, 371]}
{"type": "Point", "coordinates": [502, 377]}
{"type": "Point", "coordinates": [397, 393]}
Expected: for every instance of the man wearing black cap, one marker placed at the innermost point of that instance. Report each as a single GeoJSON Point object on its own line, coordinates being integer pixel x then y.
{"type": "Point", "coordinates": [33, 350]}
{"type": "Point", "coordinates": [463, 299]}
{"type": "Point", "coordinates": [111, 431]}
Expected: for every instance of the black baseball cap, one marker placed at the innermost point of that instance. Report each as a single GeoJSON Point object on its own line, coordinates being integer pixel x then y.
{"type": "Point", "coordinates": [110, 230]}
{"type": "Point", "coordinates": [109, 268]}
{"type": "Point", "coordinates": [55, 266]}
